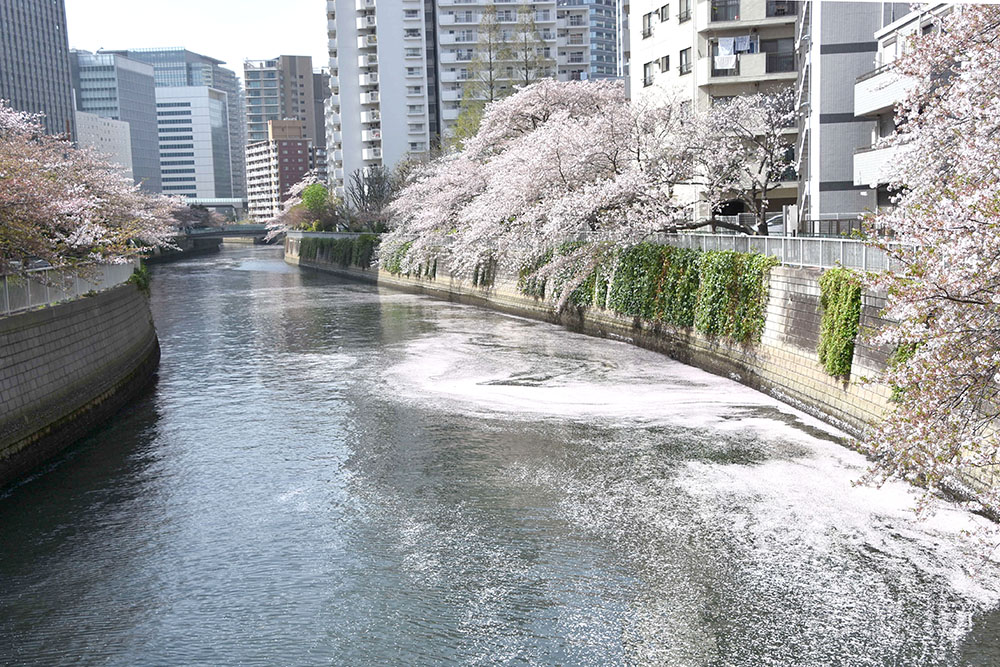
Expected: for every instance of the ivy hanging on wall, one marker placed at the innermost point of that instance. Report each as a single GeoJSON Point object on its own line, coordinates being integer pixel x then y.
{"type": "Point", "coordinates": [840, 302]}
{"type": "Point", "coordinates": [732, 294]}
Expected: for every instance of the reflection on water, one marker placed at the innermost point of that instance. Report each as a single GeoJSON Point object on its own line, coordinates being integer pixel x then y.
{"type": "Point", "coordinates": [330, 473]}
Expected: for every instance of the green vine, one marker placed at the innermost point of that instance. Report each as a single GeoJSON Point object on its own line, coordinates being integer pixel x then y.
{"type": "Point", "coordinates": [527, 283]}
{"type": "Point", "coordinates": [394, 264]}
{"type": "Point", "coordinates": [840, 301]}
{"type": "Point", "coordinates": [637, 278]}
{"type": "Point", "coordinates": [141, 279]}
{"type": "Point", "coordinates": [732, 295]}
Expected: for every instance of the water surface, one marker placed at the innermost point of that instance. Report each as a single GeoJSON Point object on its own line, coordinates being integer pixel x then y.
{"type": "Point", "coordinates": [329, 473]}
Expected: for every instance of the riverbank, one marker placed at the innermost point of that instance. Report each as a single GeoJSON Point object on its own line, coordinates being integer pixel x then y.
{"type": "Point", "coordinates": [784, 364]}
{"type": "Point", "coordinates": [67, 368]}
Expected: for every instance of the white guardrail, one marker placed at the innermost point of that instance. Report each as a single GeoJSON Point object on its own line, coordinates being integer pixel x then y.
{"type": "Point", "coordinates": [42, 288]}
{"type": "Point", "coordinates": [807, 251]}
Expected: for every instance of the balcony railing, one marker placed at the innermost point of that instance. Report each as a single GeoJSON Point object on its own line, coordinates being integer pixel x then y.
{"type": "Point", "coordinates": [780, 62]}
{"type": "Point", "coordinates": [684, 15]}
{"type": "Point", "coordinates": [725, 10]}
{"type": "Point", "coordinates": [735, 71]}
{"type": "Point", "coordinates": [782, 8]}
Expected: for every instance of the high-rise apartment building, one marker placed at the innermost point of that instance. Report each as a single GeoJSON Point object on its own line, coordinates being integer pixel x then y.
{"type": "Point", "coordinates": [275, 165]}
{"type": "Point", "coordinates": [399, 71]}
{"type": "Point", "coordinates": [34, 61]}
{"type": "Point", "coordinates": [115, 87]}
{"type": "Point", "coordinates": [194, 133]}
{"type": "Point", "coordinates": [178, 67]}
{"type": "Point", "coordinates": [283, 88]}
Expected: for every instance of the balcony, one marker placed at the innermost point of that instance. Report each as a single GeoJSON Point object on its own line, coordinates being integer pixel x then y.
{"type": "Point", "coordinates": [368, 60]}
{"type": "Point", "coordinates": [454, 77]}
{"type": "Point", "coordinates": [371, 135]}
{"type": "Point", "coordinates": [369, 79]}
{"type": "Point", "coordinates": [873, 166]}
{"type": "Point", "coordinates": [370, 116]}
{"type": "Point", "coordinates": [371, 154]}
{"type": "Point", "coordinates": [460, 19]}
{"type": "Point", "coordinates": [879, 91]}
{"type": "Point", "coordinates": [367, 22]}
{"type": "Point", "coordinates": [362, 5]}
{"type": "Point", "coordinates": [370, 97]}
{"type": "Point", "coordinates": [367, 42]}
{"type": "Point", "coordinates": [750, 68]}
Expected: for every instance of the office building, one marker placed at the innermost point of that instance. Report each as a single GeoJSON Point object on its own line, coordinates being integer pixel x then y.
{"type": "Point", "coordinates": [178, 67]}
{"type": "Point", "coordinates": [195, 156]}
{"type": "Point", "coordinates": [118, 88]}
{"type": "Point", "coordinates": [275, 165]}
{"type": "Point", "coordinates": [34, 61]}
{"type": "Point", "coordinates": [109, 137]}
{"type": "Point", "coordinates": [283, 88]}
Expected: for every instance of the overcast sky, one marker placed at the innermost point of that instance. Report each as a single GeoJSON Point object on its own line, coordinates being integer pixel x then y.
{"type": "Point", "coordinates": [230, 30]}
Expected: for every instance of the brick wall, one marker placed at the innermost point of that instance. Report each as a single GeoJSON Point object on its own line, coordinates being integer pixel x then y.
{"type": "Point", "coordinates": [785, 363]}
{"type": "Point", "coordinates": [64, 369]}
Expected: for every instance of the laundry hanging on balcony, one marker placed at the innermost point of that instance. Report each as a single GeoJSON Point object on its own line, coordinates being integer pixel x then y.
{"type": "Point", "coordinates": [742, 44]}
{"type": "Point", "coordinates": [726, 56]}
{"type": "Point", "coordinates": [725, 62]}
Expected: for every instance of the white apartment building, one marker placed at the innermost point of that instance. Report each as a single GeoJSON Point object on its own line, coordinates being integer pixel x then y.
{"type": "Point", "coordinates": [193, 129]}
{"type": "Point", "coordinates": [111, 138]}
{"type": "Point", "coordinates": [707, 51]}
{"type": "Point", "coordinates": [375, 49]}
{"type": "Point", "coordinates": [399, 70]}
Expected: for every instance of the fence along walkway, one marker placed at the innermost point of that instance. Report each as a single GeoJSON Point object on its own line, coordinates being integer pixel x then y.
{"type": "Point", "coordinates": [45, 286]}
{"type": "Point", "coordinates": [820, 253]}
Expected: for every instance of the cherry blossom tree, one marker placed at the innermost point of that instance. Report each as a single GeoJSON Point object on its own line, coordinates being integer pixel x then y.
{"type": "Point", "coordinates": [554, 162]}
{"type": "Point", "coordinates": [945, 294]}
{"type": "Point", "coordinates": [65, 207]}
{"type": "Point", "coordinates": [746, 149]}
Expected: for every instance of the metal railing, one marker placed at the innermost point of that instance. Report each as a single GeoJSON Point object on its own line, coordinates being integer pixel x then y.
{"type": "Point", "coordinates": [819, 253]}
{"type": "Point", "coordinates": [43, 287]}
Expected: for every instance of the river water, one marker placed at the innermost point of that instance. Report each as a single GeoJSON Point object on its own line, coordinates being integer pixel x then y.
{"type": "Point", "coordinates": [330, 473]}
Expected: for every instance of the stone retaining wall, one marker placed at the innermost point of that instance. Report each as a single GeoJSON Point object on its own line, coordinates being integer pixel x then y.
{"type": "Point", "coordinates": [784, 364]}
{"type": "Point", "coordinates": [66, 368]}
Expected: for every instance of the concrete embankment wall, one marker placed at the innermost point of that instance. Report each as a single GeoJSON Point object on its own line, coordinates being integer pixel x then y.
{"type": "Point", "coordinates": [66, 368]}
{"type": "Point", "coordinates": [784, 364]}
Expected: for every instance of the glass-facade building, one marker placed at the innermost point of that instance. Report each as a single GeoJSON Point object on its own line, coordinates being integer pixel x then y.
{"type": "Point", "coordinates": [34, 61]}
{"type": "Point", "coordinates": [113, 86]}
{"type": "Point", "coordinates": [178, 67]}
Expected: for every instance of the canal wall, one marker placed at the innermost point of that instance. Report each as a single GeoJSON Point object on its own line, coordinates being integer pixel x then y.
{"type": "Point", "coordinates": [784, 364]}
{"type": "Point", "coordinates": [66, 368]}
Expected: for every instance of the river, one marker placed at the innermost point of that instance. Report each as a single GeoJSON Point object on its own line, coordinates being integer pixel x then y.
{"type": "Point", "coordinates": [330, 473]}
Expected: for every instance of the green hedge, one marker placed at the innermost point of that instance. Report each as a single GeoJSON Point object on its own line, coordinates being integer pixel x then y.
{"type": "Point", "coordinates": [840, 301]}
{"type": "Point", "coordinates": [637, 277]}
{"type": "Point", "coordinates": [345, 252]}
{"type": "Point", "coordinates": [732, 294]}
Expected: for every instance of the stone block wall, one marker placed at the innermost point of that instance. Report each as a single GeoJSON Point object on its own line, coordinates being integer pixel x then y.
{"type": "Point", "coordinates": [784, 364]}
{"type": "Point", "coordinates": [64, 369]}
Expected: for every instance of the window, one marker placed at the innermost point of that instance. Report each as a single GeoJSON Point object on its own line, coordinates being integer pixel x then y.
{"type": "Point", "coordinates": [647, 74]}
{"type": "Point", "coordinates": [665, 64]}
{"type": "Point", "coordinates": [685, 62]}
{"type": "Point", "coordinates": [781, 8]}
{"type": "Point", "coordinates": [664, 13]}
{"type": "Point", "coordinates": [647, 25]}
{"type": "Point", "coordinates": [780, 54]}
{"type": "Point", "coordinates": [725, 10]}
{"type": "Point", "coordinates": [411, 13]}
{"type": "Point", "coordinates": [684, 14]}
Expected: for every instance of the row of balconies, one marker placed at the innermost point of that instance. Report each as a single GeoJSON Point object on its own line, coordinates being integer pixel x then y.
{"type": "Point", "coordinates": [363, 5]}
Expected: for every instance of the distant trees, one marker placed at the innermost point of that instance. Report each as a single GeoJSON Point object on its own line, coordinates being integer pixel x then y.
{"type": "Point", "coordinates": [944, 297]}
{"type": "Point", "coordinates": [508, 53]}
{"type": "Point", "coordinates": [65, 207]}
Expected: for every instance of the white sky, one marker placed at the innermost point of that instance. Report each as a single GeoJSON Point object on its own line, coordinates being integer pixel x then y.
{"type": "Point", "coordinates": [230, 30]}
